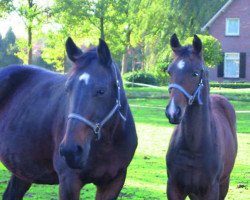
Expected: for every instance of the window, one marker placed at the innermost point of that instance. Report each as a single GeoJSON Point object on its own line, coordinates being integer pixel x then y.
{"type": "Point", "coordinates": [232, 65]}
{"type": "Point", "coordinates": [232, 26]}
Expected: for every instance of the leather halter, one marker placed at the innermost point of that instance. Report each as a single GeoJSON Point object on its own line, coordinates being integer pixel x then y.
{"type": "Point", "coordinates": [190, 97]}
{"type": "Point", "coordinates": [97, 126]}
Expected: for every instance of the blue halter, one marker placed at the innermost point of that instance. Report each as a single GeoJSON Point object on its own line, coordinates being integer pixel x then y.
{"type": "Point", "coordinates": [190, 97]}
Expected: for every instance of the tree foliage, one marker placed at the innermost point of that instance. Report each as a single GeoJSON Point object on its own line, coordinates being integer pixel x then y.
{"type": "Point", "coordinates": [5, 7]}
{"type": "Point", "coordinates": [8, 49]}
{"type": "Point", "coordinates": [212, 50]}
{"type": "Point", "coordinates": [137, 31]}
{"type": "Point", "coordinates": [33, 16]}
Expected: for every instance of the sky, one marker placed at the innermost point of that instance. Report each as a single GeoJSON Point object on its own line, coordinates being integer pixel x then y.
{"type": "Point", "coordinates": [16, 23]}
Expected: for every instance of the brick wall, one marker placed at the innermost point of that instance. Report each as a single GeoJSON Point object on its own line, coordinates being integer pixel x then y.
{"type": "Point", "coordinates": [238, 9]}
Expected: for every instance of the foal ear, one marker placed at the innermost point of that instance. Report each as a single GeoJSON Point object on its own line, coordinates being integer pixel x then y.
{"type": "Point", "coordinates": [104, 53]}
{"type": "Point", "coordinates": [197, 44]}
{"type": "Point", "coordinates": [174, 43]}
{"type": "Point", "coordinates": [73, 51]}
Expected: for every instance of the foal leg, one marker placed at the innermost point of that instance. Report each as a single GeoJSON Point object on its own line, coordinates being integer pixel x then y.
{"type": "Point", "coordinates": [16, 189]}
{"type": "Point", "coordinates": [111, 190]}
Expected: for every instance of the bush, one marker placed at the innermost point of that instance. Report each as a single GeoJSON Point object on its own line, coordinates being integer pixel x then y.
{"type": "Point", "coordinates": [140, 77]}
{"type": "Point", "coordinates": [212, 50]}
{"type": "Point", "coordinates": [234, 85]}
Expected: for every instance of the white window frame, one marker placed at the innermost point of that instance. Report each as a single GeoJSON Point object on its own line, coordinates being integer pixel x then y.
{"type": "Point", "coordinates": [227, 26]}
{"type": "Point", "coordinates": [235, 57]}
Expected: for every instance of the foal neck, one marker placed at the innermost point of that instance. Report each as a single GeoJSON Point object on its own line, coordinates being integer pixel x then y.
{"type": "Point", "coordinates": [195, 126]}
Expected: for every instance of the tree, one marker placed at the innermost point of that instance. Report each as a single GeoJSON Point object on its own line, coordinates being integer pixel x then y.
{"type": "Point", "coordinates": [8, 49]}
{"type": "Point", "coordinates": [5, 7]}
{"type": "Point", "coordinates": [33, 15]}
{"type": "Point", "coordinates": [211, 49]}
{"type": "Point", "coordinates": [191, 15]}
{"type": "Point", "coordinates": [54, 50]}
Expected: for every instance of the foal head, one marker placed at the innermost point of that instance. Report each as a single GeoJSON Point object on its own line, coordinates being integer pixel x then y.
{"type": "Point", "coordinates": [186, 78]}
{"type": "Point", "coordinates": [93, 91]}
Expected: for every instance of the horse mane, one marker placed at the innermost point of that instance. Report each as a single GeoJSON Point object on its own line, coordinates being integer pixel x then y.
{"type": "Point", "coordinates": [85, 59]}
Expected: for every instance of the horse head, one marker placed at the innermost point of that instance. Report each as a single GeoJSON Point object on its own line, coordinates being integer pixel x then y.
{"type": "Point", "coordinates": [93, 88]}
{"type": "Point", "coordinates": [186, 78]}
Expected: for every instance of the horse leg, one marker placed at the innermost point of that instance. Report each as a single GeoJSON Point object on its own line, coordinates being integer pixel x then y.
{"type": "Point", "coordinates": [16, 189]}
{"type": "Point", "coordinates": [111, 190]}
{"type": "Point", "coordinates": [69, 187]}
{"type": "Point", "coordinates": [224, 188]}
{"type": "Point", "coordinates": [213, 194]}
{"type": "Point", "coordinates": [173, 193]}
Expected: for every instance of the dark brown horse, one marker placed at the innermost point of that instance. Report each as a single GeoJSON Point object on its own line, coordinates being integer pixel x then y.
{"type": "Point", "coordinates": [203, 147]}
{"type": "Point", "coordinates": [72, 130]}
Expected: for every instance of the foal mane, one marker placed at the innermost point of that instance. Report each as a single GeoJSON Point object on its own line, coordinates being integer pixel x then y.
{"type": "Point", "coordinates": [186, 51]}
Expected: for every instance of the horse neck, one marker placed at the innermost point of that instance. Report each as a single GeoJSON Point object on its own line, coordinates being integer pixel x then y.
{"type": "Point", "coordinates": [195, 125]}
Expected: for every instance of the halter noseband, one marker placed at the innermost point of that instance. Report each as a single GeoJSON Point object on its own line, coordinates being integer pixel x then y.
{"type": "Point", "coordinates": [98, 125]}
{"type": "Point", "coordinates": [190, 97]}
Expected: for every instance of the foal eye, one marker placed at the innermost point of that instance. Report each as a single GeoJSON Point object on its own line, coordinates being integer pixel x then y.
{"type": "Point", "coordinates": [195, 74]}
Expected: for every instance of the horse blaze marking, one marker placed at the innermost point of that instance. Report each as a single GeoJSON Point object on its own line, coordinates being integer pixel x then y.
{"type": "Point", "coordinates": [84, 77]}
{"type": "Point", "coordinates": [181, 64]}
{"type": "Point", "coordinates": [172, 108]}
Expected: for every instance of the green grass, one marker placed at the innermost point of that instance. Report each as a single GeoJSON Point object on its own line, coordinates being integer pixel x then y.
{"type": "Point", "coordinates": [147, 177]}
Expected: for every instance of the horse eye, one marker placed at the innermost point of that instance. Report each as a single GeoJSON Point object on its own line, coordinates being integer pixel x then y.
{"type": "Point", "coordinates": [100, 92]}
{"type": "Point", "coordinates": [195, 74]}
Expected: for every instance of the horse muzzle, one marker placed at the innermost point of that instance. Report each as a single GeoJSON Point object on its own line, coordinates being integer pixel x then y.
{"type": "Point", "coordinates": [75, 155]}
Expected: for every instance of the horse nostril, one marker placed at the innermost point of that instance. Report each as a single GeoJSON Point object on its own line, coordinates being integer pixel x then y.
{"type": "Point", "coordinates": [70, 150]}
{"type": "Point", "coordinates": [79, 150]}
{"type": "Point", "coordinates": [178, 112]}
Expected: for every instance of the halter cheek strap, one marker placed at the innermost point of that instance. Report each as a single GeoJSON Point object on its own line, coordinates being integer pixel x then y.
{"type": "Point", "coordinates": [98, 125]}
{"type": "Point", "coordinates": [190, 97]}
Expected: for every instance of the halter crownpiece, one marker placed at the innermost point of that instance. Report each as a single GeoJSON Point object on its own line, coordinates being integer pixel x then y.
{"type": "Point", "coordinates": [190, 97]}
{"type": "Point", "coordinates": [98, 125]}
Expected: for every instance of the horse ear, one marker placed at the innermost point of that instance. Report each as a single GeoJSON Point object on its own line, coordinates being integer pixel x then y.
{"type": "Point", "coordinates": [103, 52]}
{"type": "Point", "coordinates": [73, 51]}
{"type": "Point", "coordinates": [197, 44]}
{"type": "Point", "coordinates": [174, 43]}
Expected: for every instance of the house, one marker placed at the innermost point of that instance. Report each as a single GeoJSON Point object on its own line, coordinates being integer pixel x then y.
{"type": "Point", "coordinates": [231, 26]}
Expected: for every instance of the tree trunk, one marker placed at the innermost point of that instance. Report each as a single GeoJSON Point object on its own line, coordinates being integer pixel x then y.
{"type": "Point", "coordinates": [143, 56]}
{"type": "Point", "coordinates": [125, 62]}
{"type": "Point", "coordinates": [125, 55]}
{"type": "Point", "coordinates": [30, 2]}
{"type": "Point", "coordinates": [102, 28]}
{"type": "Point", "coordinates": [29, 45]}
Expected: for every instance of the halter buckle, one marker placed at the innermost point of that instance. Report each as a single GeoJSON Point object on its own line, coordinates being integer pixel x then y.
{"type": "Point", "coordinates": [97, 130]}
{"type": "Point", "coordinates": [191, 100]}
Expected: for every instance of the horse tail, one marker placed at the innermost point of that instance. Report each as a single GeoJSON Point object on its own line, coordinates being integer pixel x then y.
{"type": "Point", "coordinates": [11, 78]}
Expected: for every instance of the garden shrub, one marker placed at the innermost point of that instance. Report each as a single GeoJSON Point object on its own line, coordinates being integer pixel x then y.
{"type": "Point", "coordinates": [140, 77]}
{"type": "Point", "coordinates": [233, 85]}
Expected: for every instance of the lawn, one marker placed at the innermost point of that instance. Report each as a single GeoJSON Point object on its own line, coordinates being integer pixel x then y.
{"type": "Point", "coordinates": [146, 177]}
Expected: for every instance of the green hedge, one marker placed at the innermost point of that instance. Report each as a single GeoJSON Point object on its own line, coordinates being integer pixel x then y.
{"type": "Point", "coordinates": [230, 85]}
{"type": "Point", "coordinates": [140, 77]}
